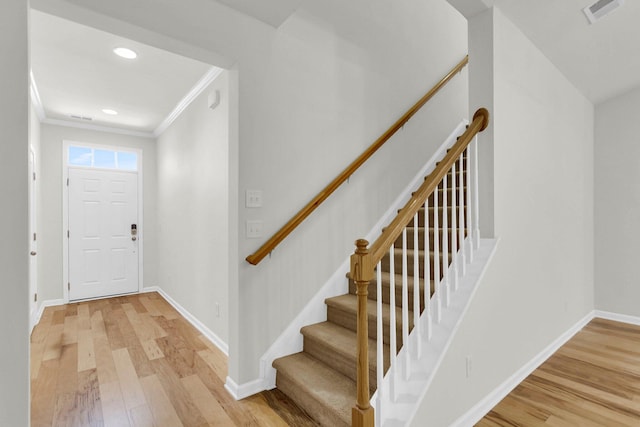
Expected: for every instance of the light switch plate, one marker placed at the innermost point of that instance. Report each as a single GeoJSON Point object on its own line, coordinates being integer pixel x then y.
{"type": "Point", "coordinates": [253, 198]}
{"type": "Point", "coordinates": [254, 229]}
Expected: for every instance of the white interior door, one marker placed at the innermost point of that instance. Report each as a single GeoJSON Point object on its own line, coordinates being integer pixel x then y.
{"type": "Point", "coordinates": [103, 240]}
{"type": "Point", "coordinates": [33, 243]}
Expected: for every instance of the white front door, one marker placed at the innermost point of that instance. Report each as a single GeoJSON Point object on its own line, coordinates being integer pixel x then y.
{"type": "Point", "coordinates": [103, 240]}
{"type": "Point", "coordinates": [33, 243]}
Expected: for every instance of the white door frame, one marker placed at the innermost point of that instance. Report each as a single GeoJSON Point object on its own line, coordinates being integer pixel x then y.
{"type": "Point", "coordinates": [33, 243]}
{"type": "Point", "coordinates": [65, 210]}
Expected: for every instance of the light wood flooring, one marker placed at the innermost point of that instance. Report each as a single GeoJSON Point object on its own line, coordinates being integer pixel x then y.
{"type": "Point", "coordinates": [134, 361]}
{"type": "Point", "coordinates": [593, 380]}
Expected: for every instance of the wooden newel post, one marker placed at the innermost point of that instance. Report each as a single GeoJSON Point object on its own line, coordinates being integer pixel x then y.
{"type": "Point", "coordinates": [362, 273]}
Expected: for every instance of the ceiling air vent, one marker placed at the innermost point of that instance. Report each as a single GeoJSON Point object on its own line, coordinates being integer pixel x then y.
{"type": "Point", "coordinates": [77, 117]}
{"type": "Point", "coordinates": [601, 8]}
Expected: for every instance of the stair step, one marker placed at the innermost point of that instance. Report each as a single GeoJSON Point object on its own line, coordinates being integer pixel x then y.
{"type": "Point", "coordinates": [342, 311]}
{"type": "Point", "coordinates": [440, 211]}
{"type": "Point", "coordinates": [386, 266]}
{"type": "Point", "coordinates": [337, 347]}
{"type": "Point", "coordinates": [410, 230]}
{"type": "Point", "coordinates": [386, 284]}
{"type": "Point", "coordinates": [324, 393]}
{"type": "Point", "coordinates": [440, 192]}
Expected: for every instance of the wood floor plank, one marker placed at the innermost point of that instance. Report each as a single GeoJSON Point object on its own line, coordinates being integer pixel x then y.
{"type": "Point", "coordinates": [129, 383]}
{"type": "Point", "coordinates": [141, 416]}
{"type": "Point", "coordinates": [272, 408]}
{"type": "Point", "coordinates": [593, 380]}
{"type": "Point", "coordinates": [134, 347]}
{"type": "Point", "coordinates": [179, 397]}
{"type": "Point", "coordinates": [53, 343]}
{"type": "Point", "coordinates": [97, 323]}
{"type": "Point", "coordinates": [143, 329]}
{"type": "Point", "coordinates": [86, 351]}
{"type": "Point", "coordinates": [104, 360]}
{"type": "Point", "coordinates": [58, 317]}
{"type": "Point", "coordinates": [84, 317]}
{"type": "Point", "coordinates": [88, 409]}
{"type": "Point", "coordinates": [37, 351]}
{"type": "Point", "coordinates": [209, 407]}
{"type": "Point", "coordinates": [168, 312]}
{"type": "Point", "coordinates": [99, 373]}
{"type": "Point", "coordinates": [114, 412]}
{"type": "Point", "coordinates": [112, 327]}
{"type": "Point", "coordinates": [43, 393]}
{"type": "Point", "coordinates": [161, 407]}
{"type": "Point", "coordinates": [70, 330]}
{"type": "Point", "coordinates": [216, 361]}
{"type": "Point", "coordinates": [150, 306]}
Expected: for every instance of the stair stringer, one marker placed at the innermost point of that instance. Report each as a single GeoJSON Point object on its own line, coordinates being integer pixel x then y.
{"type": "Point", "coordinates": [290, 341]}
{"type": "Point", "coordinates": [410, 392]}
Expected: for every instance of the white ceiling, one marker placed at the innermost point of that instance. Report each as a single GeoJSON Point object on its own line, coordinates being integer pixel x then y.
{"type": "Point", "coordinates": [602, 60]}
{"type": "Point", "coordinates": [77, 73]}
{"type": "Point", "coordinates": [272, 12]}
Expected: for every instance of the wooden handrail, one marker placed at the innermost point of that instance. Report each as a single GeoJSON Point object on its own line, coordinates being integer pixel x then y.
{"type": "Point", "coordinates": [365, 259]}
{"type": "Point", "coordinates": [275, 240]}
{"type": "Point", "coordinates": [382, 244]}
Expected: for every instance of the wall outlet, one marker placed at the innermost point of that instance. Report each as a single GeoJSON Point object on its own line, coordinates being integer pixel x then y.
{"type": "Point", "coordinates": [254, 229]}
{"type": "Point", "coordinates": [253, 199]}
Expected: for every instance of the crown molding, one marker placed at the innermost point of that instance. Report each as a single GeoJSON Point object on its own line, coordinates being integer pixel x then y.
{"type": "Point", "coordinates": [98, 128]}
{"type": "Point", "coordinates": [195, 91]}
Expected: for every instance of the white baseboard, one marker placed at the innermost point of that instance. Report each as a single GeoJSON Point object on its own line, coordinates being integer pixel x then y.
{"type": "Point", "coordinates": [204, 330]}
{"type": "Point", "coordinates": [243, 390]}
{"type": "Point", "coordinates": [42, 306]}
{"type": "Point", "coordinates": [624, 318]}
{"type": "Point", "coordinates": [476, 413]}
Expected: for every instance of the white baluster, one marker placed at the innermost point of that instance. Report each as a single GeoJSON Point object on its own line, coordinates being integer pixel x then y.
{"type": "Point", "coordinates": [454, 234]}
{"type": "Point", "coordinates": [416, 287]}
{"type": "Point", "coordinates": [427, 270]}
{"type": "Point", "coordinates": [445, 243]}
{"type": "Point", "coordinates": [379, 346]}
{"type": "Point", "coordinates": [476, 196]}
{"type": "Point", "coordinates": [405, 303]}
{"type": "Point", "coordinates": [392, 322]}
{"type": "Point", "coordinates": [436, 256]}
{"type": "Point", "coordinates": [461, 209]}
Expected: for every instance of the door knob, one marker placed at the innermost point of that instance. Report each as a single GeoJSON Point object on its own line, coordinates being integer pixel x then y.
{"type": "Point", "coordinates": [33, 253]}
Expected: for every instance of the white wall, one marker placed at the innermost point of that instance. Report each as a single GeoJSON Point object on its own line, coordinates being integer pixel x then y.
{"type": "Point", "coordinates": [14, 251]}
{"type": "Point", "coordinates": [617, 201]}
{"type": "Point", "coordinates": [337, 76]}
{"type": "Point", "coordinates": [541, 280]}
{"type": "Point", "coordinates": [193, 204]}
{"type": "Point", "coordinates": [313, 94]}
{"type": "Point", "coordinates": [50, 256]}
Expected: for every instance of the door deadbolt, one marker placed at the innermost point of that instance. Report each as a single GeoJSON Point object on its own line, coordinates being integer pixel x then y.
{"type": "Point", "coordinates": [134, 232]}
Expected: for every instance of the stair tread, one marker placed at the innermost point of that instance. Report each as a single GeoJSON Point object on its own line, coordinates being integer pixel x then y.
{"type": "Point", "coordinates": [330, 390]}
{"type": "Point", "coordinates": [340, 340]}
{"type": "Point", "coordinates": [349, 302]}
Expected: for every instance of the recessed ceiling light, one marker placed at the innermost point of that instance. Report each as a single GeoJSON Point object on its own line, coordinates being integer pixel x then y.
{"type": "Point", "coordinates": [125, 53]}
{"type": "Point", "coordinates": [109, 112]}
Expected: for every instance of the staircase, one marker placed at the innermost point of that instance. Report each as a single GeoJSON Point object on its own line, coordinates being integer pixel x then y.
{"type": "Point", "coordinates": [322, 378]}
